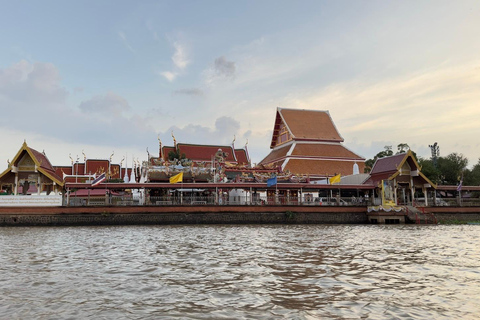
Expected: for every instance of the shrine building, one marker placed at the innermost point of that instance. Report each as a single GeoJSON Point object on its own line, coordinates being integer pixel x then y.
{"type": "Point", "coordinates": [307, 142]}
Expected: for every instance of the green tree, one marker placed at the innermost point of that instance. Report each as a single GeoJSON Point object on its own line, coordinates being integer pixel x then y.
{"type": "Point", "coordinates": [402, 148]}
{"type": "Point", "coordinates": [472, 177]}
{"type": "Point", "coordinates": [429, 170]}
{"type": "Point", "coordinates": [451, 168]}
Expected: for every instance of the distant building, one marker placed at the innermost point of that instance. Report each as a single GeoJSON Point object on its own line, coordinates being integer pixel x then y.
{"type": "Point", "coordinates": [307, 142]}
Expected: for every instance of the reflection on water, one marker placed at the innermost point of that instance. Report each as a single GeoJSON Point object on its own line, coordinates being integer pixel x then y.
{"type": "Point", "coordinates": [235, 272]}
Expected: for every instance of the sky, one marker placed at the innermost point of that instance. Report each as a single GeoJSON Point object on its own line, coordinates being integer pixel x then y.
{"type": "Point", "coordinates": [105, 78]}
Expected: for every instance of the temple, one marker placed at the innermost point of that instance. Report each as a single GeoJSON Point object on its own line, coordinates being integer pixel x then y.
{"type": "Point", "coordinates": [30, 172]}
{"type": "Point", "coordinates": [307, 142]}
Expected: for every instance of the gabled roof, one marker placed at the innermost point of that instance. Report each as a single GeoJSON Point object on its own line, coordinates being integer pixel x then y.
{"type": "Point", "coordinates": [242, 156]}
{"type": "Point", "coordinates": [390, 167]}
{"type": "Point", "coordinates": [198, 152]}
{"type": "Point", "coordinates": [313, 125]}
{"type": "Point", "coordinates": [322, 168]}
{"type": "Point", "coordinates": [388, 164]}
{"type": "Point", "coordinates": [41, 162]}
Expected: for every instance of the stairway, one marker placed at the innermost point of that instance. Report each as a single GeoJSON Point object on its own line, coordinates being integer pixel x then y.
{"type": "Point", "coordinates": [419, 216]}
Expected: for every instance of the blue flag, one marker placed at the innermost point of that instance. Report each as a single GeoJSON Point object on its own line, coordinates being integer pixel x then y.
{"type": "Point", "coordinates": [271, 181]}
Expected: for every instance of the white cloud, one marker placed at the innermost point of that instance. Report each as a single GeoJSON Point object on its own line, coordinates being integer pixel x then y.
{"type": "Point", "coordinates": [170, 76]}
{"type": "Point", "coordinates": [180, 62]}
{"type": "Point", "coordinates": [179, 58]}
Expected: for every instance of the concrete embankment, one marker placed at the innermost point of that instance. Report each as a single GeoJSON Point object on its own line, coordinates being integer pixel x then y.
{"type": "Point", "coordinates": [138, 215]}
{"type": "Point", "coordinates": [57, 216]}
{"type": "Point", "coordinates": [455, 214]}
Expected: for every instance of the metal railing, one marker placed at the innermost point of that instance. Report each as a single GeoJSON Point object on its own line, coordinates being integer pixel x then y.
{"type": "Point", "coordinates": [221, 200]}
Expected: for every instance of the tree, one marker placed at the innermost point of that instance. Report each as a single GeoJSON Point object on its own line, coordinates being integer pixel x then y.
{"type": "Point", "coordinates": [451, 168]}
{"type": "Point", "coordinates": [429, 170]}
{"type": "Point", "coordinates": [402, 148]}
{"type": "Point", "coordinates": [472, 177]}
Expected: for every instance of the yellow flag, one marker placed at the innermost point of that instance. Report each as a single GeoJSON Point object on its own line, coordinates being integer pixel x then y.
{"type": "Point", "coordinates": [177, 178]}
{"type": "Point", "coordinates": [335, 179]}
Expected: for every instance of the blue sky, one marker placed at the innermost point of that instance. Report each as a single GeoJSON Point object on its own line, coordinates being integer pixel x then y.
{"type": "Point", "coordinates": [111, 76]}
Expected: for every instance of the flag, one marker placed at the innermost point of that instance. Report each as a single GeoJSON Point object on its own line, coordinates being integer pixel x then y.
{"type": "Point", "coordinates": [335, 179]}
{"type": "Point", "coordinates": [177, 178]}
{"type": "Point", "coordinates": [99, 179]}
{"type": "Point", "coordinates": [272, 181]}
{"type": "Point", "coordinates": [459, 187]}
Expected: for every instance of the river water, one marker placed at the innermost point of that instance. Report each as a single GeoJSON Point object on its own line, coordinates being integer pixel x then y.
{"type": "Point", "coordinates": [240, 272]}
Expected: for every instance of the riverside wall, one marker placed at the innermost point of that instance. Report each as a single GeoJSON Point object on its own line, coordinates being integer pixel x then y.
{"type": "Point", "coordinates": [144, 215]}
{"type": "Point", "coordinates": [455, 214]}
{"type": "Point", "coordinates": [71, 216]}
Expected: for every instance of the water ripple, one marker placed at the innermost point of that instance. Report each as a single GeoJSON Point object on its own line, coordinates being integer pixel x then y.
{"type": "Point", "coordinates": [240, 272]}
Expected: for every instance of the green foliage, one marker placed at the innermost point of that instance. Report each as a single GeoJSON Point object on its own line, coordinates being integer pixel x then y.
{"type": "Point", "coordinates": [429, 170]}
{"type": "Point", "coordinates": [451, 168]}
{"type": "Point", "coordinates": [472, 177]}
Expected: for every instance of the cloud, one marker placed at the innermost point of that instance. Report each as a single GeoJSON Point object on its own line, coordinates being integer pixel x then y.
{"type": "Point", "coordinates": [180, 62]}
{"type": "Point", "coordinates": [26, 82]}
{"type": "Point", "coordinates": [221, 70]}
{"type": "Point", "coordinates": [170, 76]}
{"type": "Point", "coordinates": [125, 41]}
{"type": "Point", "coordinates": [108, 104]}
{"type": "Point", "coordinates": [222, 133]}
{"type": "Point", "coordinates": [224, 68]}
{"type": "Point", "coordinates": [179, 58]}
{"type": "Point", "coordinates": [189, 92]}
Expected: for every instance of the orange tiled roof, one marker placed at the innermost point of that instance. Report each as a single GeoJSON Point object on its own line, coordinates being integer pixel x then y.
{"type": "Point", "coordinates": [197, 152]}
{"type": "Point", "coordinates": [276, 154]}
{"type": "Point", "coordinates": [325, 150]}
{"type": "Point", "coordinates": [310, 124]}
{"type": "Point", "coordinates": [241, 155]}
{"type": "Point", "coordinates": [321, 167]}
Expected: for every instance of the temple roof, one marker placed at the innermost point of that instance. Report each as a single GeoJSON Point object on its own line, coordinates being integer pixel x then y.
{"type": "Point", "coordinates": [197, 152]}
{"type": "Point", "coordinates": [387, 164]}
{"type": "Point", "coordinates": [325, 150]}
{"type": "Point", "coordinates": [41, 162]}
{"type": "Point", "coordinates": [391, 167]}
{"type": "Point", "coordinates": [314, 125]}
{"type": "Point", "coordinates": [276, 154]}
{"type": "Point", "coordinates": [324, 168]}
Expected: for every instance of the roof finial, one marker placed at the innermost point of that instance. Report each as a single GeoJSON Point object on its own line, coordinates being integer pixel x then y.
{"type": "Point", "coordinates": [174, 140]}
{"type": "Point", "coordinates": [84, 157]}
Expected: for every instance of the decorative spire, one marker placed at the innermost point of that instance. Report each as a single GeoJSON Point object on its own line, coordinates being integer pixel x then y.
{"type": "Point", "coordinates": [71, 159]}
{"type": "Point", "coordinates": [84, 156]}
{"type": "Point", "coordinates": [174, 141]}
{"type": "Point", "coordinates": [113, 152]}
{"type": "Point", "coordinates": [160, 153]}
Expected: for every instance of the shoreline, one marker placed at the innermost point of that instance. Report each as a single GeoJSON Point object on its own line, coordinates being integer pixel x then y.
{"type": "Point", "coordinates": [168, 215]}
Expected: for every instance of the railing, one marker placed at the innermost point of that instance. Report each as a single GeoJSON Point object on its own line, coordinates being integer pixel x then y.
{"type": "Point", "coordinates": [220, 200]}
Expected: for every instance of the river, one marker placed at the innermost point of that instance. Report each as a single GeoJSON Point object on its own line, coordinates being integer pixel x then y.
{"type": "Point", "coordinates": [240, 272]}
